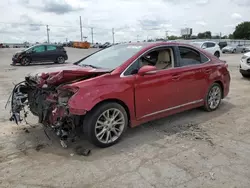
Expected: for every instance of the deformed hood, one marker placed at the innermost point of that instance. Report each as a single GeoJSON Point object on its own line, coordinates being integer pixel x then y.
{"type": "Point", "coordinates": [62, 74]}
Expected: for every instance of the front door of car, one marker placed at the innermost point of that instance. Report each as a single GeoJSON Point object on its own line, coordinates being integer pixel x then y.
{"type": "Point", "coordinates": [157, 92]}
{"type": "Point", "coordinates": [193, 75]}
{"type": "Point", "coordinates": [38, 53]}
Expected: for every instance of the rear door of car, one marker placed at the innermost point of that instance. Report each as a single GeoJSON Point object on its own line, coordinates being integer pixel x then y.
{"type": "Point", "coordinates": [193, 74]}
{"type": "Point", "coordinates": [51, 52]}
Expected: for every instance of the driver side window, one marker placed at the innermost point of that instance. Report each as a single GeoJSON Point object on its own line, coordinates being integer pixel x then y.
{"type": "Point", "coordinates": [162, 58]}
{"type": "Point", "coordinates": [38, 49]}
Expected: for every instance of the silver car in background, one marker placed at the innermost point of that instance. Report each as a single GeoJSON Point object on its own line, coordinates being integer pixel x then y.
{"type": "Point", "coordinates": [234, 48]}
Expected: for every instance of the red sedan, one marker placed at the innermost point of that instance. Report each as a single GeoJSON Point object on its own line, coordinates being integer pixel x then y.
{"type": "Point", "coordinates": [120, 86]}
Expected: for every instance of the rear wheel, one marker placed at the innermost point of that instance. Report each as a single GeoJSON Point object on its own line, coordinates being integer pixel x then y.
{"type": "Point", "coordinates": [105, 125]}
{"type": "Point", "coordinates": [213, 98]}
{"type": "Point", "coordinates": [25, 61]}
{"type": "Point", "coordinates": [60, 60]}
{"type": "Point", "coordinates": [234, 51]}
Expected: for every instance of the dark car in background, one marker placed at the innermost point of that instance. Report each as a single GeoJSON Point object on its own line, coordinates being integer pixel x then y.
{"type": "Point", "coordinates": [222, 44]}
{"type": "Point", "coordinates": [105, 45]}
{"type": "Point", "coordinates": [40, 53]}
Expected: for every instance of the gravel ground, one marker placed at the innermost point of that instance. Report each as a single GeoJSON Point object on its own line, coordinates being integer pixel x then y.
{"type": "Point", "coordinates": [191, 149]}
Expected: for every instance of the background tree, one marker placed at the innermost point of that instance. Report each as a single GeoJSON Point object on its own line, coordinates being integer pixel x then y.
{"type": "Point", "coordinates": [242, 31]}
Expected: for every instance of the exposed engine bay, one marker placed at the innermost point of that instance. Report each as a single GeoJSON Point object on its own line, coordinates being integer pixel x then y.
{"type": "Point", "coordinates": [45, 97]}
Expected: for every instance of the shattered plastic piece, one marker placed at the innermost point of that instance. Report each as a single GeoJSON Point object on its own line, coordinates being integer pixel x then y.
{"type": "Point", "coordinates": [39, 147]}
{"type": "Point", "coordinates": [63, 144]}
{"type": "Point", "coordinates": [212, 175]}
{"type": "Point", "coordinates": [81, 151]}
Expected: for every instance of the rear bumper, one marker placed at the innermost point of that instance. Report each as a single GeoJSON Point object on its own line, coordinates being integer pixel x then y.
{"type": "Point", "coordinates": [245, 72]}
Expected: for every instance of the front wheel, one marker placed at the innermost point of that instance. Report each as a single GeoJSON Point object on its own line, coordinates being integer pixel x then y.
{"type": "Point", "coordinates": [234, 51]}
{"type": "Point", "coordinates": [105, 125]}
{"type": "Point", "coordinates": [25, 61]}
{"type": "Point", "coordinates": [213, 97]}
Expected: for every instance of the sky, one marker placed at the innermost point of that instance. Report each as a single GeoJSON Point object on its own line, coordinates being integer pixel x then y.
{"type": "Point", "coordinates": [132, 20]}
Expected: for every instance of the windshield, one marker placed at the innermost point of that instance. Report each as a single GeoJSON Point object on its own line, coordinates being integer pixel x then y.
{"type": "Point", "coordinates": [26, 49]}
{"type": "Point", "coordinates": [112, 57]}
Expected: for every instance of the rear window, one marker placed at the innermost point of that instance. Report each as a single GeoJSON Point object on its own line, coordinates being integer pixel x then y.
{"type": "Point", "coordinates": [50, 48]}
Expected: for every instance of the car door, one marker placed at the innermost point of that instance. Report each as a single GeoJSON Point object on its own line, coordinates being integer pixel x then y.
{"type": "Point", "coordinates": [51, 53]}
{"type": "Point", "coordinates": [193, 75]}
{"type": "Point", "coordinates": [38, 53]}
{"type": "Point", "coordinates": [157, 93]}
{"type": "Point", "coordinates": [211, 47]}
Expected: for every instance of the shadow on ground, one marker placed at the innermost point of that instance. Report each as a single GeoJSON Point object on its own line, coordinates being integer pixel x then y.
{"type": "Point", "coordinates": [179, 125]}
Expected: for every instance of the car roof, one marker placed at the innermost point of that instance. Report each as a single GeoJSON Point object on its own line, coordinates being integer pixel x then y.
{"type": "Point", "coordinates": [155, 44]}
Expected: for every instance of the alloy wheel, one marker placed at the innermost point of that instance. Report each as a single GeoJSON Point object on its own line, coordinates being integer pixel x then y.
{"type": "Point", "coordinates": [25, 61]}
{"type": "Point", "coordinates": [109, 126]}
{"type": "Point", "coordinates": [214, 97]}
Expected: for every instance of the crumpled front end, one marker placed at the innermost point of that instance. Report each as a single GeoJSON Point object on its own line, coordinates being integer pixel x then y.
{"type": "Point", "coordinates": [47, 96]}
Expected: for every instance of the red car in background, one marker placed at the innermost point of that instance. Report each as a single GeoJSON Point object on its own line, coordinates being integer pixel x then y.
{"type": "Point", "coordinates": [120, 86]}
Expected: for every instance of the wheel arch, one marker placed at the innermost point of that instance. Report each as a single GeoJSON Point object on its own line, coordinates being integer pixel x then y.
{"type": "Point", "coordinates": [222, 87]}
{"type": "Point", "coordinates": [114, 100]}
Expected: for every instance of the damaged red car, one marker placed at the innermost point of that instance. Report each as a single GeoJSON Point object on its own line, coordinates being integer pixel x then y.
{"type": "Point", "coordinates": [122, 86]}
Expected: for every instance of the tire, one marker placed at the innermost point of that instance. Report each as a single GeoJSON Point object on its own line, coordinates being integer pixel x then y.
{"type": "Point", "coordinates": [25, 61]}
{"type": "Point", "coordinates": [245, 75]}
{"type": "Point", "coordinates": [243, 51]}
{"type": "Point", "coordinates": [234, 51]}
{"type": "Point", "coordinates": [217, 54]}
{"type": "Point", "coordinates": [90, 125]}
{"type": "Point", "coordinates": [216, 99]}
{"type": "Point", "coordinates": [60, 60]}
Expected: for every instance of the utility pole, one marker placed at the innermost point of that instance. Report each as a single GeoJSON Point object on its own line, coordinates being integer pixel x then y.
{"type": "Point", "coordinates": [92, 35]}
{"type": "Point", "coordinates": [113, 33]}
{"type": "Point", "coordinates": [81, 26]}
{"type": "Point", "coordinates": [166, 35]}
{"type": "Point", "coordinates": [47, 33]}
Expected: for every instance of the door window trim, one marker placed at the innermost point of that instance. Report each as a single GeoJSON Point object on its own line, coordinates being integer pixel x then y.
{"type": "Point", "coordinates": [194, 50]}
{"type": "Point", "coordinates": [147, 51]}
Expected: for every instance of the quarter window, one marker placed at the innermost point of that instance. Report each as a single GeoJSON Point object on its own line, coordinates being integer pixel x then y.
{"type": "Point", "coordinates": [51, 48]}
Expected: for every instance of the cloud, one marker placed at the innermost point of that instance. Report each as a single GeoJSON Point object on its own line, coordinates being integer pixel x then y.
{"type": "Point", "coordinates": [202, 23]}
{"type": "Point", "coordinates": [241, 2]}
{"type": "Point", "coordinates": [58, 7]}
{"type": "Point", "coordinates": [129, 18]}
{"type": "Point", "coordinates": [236, 16]}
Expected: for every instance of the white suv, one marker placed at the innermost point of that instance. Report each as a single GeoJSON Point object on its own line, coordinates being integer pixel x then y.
{"type": "Point", "coordinates": [245, 65]}
{"type": "Point", "coordinates": [209, 46]}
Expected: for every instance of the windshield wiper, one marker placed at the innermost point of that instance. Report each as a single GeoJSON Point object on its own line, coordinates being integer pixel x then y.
{"type": "Point", "coordinates": [85, 65]}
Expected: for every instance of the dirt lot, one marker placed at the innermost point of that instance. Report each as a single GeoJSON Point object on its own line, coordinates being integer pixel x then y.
{"type": "Point", "coordinates": [191, 149]}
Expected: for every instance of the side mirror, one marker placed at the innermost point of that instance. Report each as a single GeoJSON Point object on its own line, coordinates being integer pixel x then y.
{"type": "Point", "coordinates": [147, 70]}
